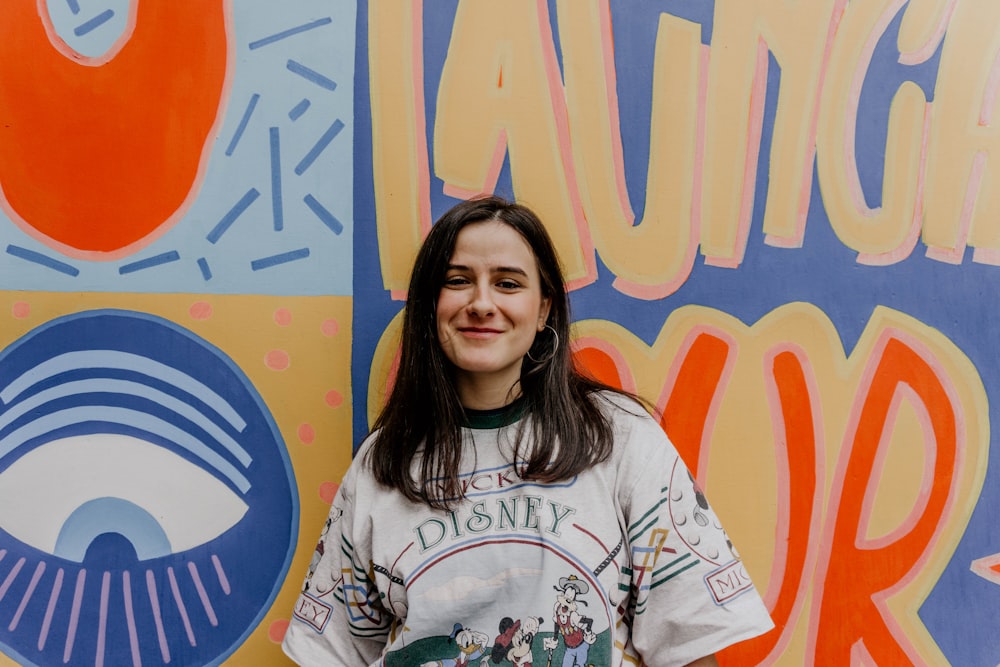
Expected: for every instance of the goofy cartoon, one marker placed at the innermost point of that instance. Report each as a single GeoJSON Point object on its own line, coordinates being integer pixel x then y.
{"type": "Point", "coordinates": [576, 630]}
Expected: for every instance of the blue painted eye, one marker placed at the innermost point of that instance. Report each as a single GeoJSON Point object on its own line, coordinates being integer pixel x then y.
{"type": "Point", "coordinates": [147, 505]}
{"type": "Point", "coordinates": [160, 511]}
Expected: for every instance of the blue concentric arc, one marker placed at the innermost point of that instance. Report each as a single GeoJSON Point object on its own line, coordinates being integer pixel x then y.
{"type": "Point", "coordinates": [126, 388]}
{"type": "Point", "coordinates": [113, 359]}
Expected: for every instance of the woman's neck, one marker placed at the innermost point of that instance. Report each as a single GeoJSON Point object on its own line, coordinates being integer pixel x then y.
{"type": "Point", "coordinates": [486, 395]}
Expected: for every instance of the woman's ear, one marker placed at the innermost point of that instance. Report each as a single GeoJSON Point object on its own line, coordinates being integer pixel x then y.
{"type": "Point", "coordinates": [543, 312]}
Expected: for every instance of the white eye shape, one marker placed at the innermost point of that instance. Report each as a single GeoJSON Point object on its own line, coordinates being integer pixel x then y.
{"type": "Point", "coordinates": [63, 494]}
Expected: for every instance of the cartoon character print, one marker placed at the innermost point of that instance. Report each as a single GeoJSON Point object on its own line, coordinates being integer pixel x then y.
{"type": "Point", "coordinates": [471, 646]}
{"type": "Point", "coordinates": [515, 640]}
{"type": "Point", "coordinates": [308, 586]}
{"type": "Point", "coordinates": [575, 629]}
{"type": "Point", "coordinates": [695, 522]}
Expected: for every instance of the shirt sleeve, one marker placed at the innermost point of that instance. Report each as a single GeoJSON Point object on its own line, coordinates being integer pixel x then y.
{"type": "Point", "coordinates": [338, 618]}
{"type": "Point", "coordinates": [692, 595]}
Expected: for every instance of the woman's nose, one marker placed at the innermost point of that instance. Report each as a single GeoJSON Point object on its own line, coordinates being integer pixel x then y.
{"type": "Point", "coordinates": [482, 301]}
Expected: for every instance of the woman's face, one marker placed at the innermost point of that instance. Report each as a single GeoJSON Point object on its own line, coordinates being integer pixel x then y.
{"type": "Point", "coordinates": [489, 310]}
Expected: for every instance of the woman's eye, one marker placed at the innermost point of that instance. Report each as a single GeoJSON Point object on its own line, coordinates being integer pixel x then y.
{"type": "Point", "coordinates": [508, 284]}
{"type": "Point", "coordinates": [456, 281]}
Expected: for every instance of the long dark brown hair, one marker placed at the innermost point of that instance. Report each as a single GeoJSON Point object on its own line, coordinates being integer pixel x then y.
{"type": "Point", "coordinates": [423, 417]}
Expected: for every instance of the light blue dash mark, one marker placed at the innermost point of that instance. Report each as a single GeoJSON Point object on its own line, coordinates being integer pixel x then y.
{"type": "Point", "coordinates": [323, 214]}
{"type": "Point", "coordinates": [150, 262]}
{"type": "Point", "coordinates": [288, 33]}
{"type": "Point", "coordinates": [299, 109]}
{"type": "Point", "coordinates": [93, 23]}
{"type": "Point", "coordinates": [74, 6]}
{"type": "Point", "coordinates": [279, 218]}
{"type": "Point", "coordinates": [206, 272]}
{"type": "Point", "coordinates": [311, 75]}
{"type": "Point", "coordinates": [243, 124]}
{"type": "Point", "coordinates": [283, 258]}
{"type": "Point", "coordinates": [230, 217]}
{"type": "Point", "coordinates": [323, 142]}
{"type": "Point", "coordinates": [39, 258]}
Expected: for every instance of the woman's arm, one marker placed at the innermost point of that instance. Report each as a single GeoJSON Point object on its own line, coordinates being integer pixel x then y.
{"type": "Point", "coordinates": [339, 618]}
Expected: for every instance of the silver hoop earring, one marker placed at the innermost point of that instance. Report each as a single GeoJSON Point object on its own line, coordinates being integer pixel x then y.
{"type": "Point", "coordinates": [552, 354]}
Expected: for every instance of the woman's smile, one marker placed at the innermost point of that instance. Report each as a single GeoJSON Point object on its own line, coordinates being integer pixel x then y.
{"type": "Point", "coordinates": [478, 331]}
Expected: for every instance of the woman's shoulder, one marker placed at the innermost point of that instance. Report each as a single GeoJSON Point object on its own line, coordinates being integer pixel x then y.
{"type": "Point", "coordinates": [637, 432]}
{"type": "Point", "coordinates": [359, 471]}
{"type": "Point", "coordinates": [366, 443]}
{"type": "Point", "coordinates": [620, 406]}
{"type": "Point", "coordinates": [362, 468]}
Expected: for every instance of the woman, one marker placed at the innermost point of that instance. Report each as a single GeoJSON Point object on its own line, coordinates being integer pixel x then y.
{"type": "Point", "coordinates": [500, 487]}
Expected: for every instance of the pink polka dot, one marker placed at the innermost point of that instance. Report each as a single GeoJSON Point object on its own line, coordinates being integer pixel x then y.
{"type": "Point", "coordinates": [277, 360]}
{"type": "Point", "coordinates": [327, 490]}
{"type": "Point", "coordinates": [330, 327]}
{"type": "Point", "coordinates": [276, 631]}
{"type": "Point", "coordinates": [21, 310]}
{"type": "Point", "coordinates": [334, 398]}
{"type": "Point", "coordinates": [307, 434]}
{"type": "Point", "coordinates": [200, 310]}
{"type": "Point", "coordinates": [283, 317]}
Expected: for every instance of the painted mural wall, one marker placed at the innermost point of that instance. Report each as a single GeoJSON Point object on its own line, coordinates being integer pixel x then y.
{"type": "Point", "coordinates": [778, 220]}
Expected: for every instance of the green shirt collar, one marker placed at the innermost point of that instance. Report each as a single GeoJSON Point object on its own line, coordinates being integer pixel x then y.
{"type": "Point", "coordinates": [496, 417]}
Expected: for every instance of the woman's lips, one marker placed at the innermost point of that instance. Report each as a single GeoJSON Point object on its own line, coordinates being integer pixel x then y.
{"type": "Point", "coordinates": [477, 332]}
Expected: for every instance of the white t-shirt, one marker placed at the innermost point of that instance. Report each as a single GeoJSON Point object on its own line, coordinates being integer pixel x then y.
{"type": "Point", "coordinates": [624, 560]}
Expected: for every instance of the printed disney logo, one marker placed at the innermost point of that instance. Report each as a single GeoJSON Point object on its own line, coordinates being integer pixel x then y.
{"type": "Point", "coordinates": [503, 515]}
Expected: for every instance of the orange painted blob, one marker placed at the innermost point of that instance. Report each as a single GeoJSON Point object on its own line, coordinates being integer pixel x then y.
{"type": "Point", "coordinates": [598, 365]}
{"type": "Point", "coordinates": [96, 159]}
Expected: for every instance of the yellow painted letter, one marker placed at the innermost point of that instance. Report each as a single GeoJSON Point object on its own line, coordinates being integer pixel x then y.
{"type": "Point", "coordinates": [888, 233]}
{"type": "Point", "coordinates": [798, 34]}
{"type": "Point", "coordinates": [399, 146]}
{"type": "Point", "coordinates": [652, 259]}
{"type": "Point", "coordinates": [501, 89]}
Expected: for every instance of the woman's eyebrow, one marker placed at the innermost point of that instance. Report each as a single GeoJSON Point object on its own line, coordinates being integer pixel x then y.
{"type": "Point", "coordinates": [496, 269]}
{"type": "Point", "coordinates": [510, 269]}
